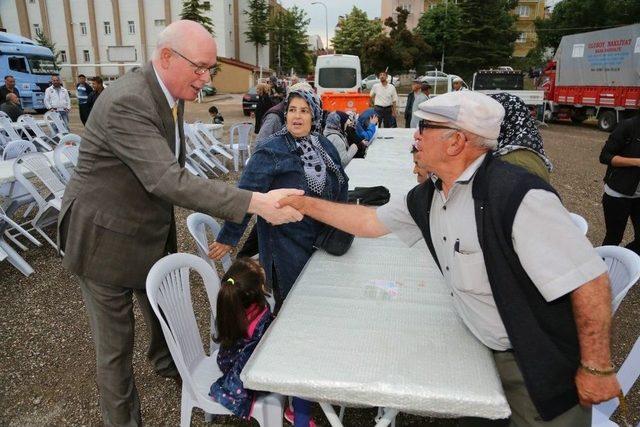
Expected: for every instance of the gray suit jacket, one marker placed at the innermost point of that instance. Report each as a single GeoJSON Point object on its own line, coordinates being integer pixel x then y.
{"type": "Point", "coordinates": [117, 212]}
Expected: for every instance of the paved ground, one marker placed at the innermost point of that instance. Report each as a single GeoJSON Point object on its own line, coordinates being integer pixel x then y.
{"type": "Point", "coordinates": [46, 353]}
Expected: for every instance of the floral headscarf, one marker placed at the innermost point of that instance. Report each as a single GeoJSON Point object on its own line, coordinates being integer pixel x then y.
{"type": "Point", "coordinates": [314, 157]}
{"type": "Point", "coordinates": [518, 130]}
{"type": "Point", "coordinates": [336, 121]}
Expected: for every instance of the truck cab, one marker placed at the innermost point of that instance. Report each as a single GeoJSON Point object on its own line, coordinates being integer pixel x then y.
{"type": "Point", "coordinates": [338, 73]}
{"type": "Point", "coordinates": [30, 64]}
{"type": "Point", "coordinates": [510, 81]}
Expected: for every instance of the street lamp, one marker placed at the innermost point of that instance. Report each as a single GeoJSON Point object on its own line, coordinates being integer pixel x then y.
{"type": "Point", "coordinates": [326, 24]}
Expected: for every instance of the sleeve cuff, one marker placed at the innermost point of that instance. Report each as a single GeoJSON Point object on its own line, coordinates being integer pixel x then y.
{"type": "Point", "coordinates": [573, 279]}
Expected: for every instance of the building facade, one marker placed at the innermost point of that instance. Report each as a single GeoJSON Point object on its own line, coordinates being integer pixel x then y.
{"type": "Point", "coordinates": [526, 10]}
{"type": "Point", "coordinates": [84, 30]}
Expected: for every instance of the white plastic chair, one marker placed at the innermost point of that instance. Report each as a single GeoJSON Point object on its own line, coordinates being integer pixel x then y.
{"type": "Point", "coordinates": [199, 224]}
{"type": "Point", "coordinates": [66, 151]}
{"type": "Point", "coordinates": [169, 293]}
{"type": "Point", "coordinates": [17, 148]}
{"type": "Point", "coordinates": [30, 124]}
{"type": "Point", "coordinates": [240, 143]}
{"type": "Point", "coordinates": [7, 127]}
{"type": "Point", "coordinates": [627, 375]}
{"type": "Point", "coordinates": [211, 143]}
{"type": "Point", "coordinates": [7, 252]}
{"type": "Point", "coordinates": [48, 205]}
{"type": "Point", "coordinates": [55, 123]}
{"type": "Point", "coordinates": [624, 270]}
{"type": "Point", "coordinates": [196, 147]}
{"type": "Point", "coordinates": [580, 222]}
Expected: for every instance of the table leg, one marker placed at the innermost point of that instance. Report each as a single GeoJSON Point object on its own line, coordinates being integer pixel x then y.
{"type": "Point", "coordinates": [389, 417]}
{"type": "Point", "coordinates": [333, 418]}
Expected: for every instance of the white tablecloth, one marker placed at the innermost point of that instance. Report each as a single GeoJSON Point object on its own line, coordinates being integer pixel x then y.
{"type": "Point", "coordinates": [376, 326]}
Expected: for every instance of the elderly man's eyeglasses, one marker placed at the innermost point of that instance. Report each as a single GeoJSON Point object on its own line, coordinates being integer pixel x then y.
{"type": "Point", "coordinates": [199, 69]}
{"type": "Point", "coordinates": [425, 124]}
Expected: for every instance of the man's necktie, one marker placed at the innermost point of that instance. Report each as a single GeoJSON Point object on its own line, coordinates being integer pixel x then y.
{"type": "Point", "coordinates": [174, 113]}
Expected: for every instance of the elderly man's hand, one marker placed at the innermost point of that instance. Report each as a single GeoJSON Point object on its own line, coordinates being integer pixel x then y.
{"type": "Point", "coordinates": [593, 389]}
{"type": "Point", "coordinates": [217, 250]}
{"type": "Point", "coordinates": [266, 205]}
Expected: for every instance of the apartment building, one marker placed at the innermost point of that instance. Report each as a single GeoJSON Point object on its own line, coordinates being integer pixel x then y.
{"type": "Point", "coordinates": [526, 10]}
{"type": "Point", "coordinates": [84, 30]}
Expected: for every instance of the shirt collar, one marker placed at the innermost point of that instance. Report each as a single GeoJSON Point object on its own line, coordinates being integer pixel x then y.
{"type": "Point", "coordinates": [471, 170]}
{"type": "Point", "coordinates": [170, 99]}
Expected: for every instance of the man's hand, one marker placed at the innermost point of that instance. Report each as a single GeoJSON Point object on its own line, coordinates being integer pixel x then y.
{"type": "Point", "coordinates": [593, 389]}
{"type": "Point", "coordinates": [217, 250]}
{"type": "Point", "coordinates": [374, 119]}
{"type": "Point", "coordinates": [266, 205]}
{"type": "Point", "coordinates": [296, 202]}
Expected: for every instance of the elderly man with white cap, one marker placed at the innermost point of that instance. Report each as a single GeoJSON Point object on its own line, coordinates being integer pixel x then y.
{"type": "Point", "coordinates": [522, 277]}
{"type": "Point", "coordinates": [457, 84]}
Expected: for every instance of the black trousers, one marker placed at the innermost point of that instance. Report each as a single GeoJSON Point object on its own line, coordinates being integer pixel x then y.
{"type": "Point", "coordinates": [386, 119]}
{"type": "Point", "coordinates": [84, 112]}
{"type": "Point", "coordinates": [617, 211]}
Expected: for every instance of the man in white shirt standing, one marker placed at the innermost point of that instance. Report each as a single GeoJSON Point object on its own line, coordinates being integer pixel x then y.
{"type": "Point", "coordinates": [385, 99]}
{"type": "Point", "coordinates": [56, 98]}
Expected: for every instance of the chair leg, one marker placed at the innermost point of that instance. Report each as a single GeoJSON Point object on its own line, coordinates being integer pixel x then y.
{"type": "Point", "coordinates": [272, 410]}
{"type": "Point", "coordinates": [15, 259]}
{"type": "Point", "coordinates": [185, 411]}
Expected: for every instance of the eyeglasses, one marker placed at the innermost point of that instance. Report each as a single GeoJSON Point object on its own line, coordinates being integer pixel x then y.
{"type": "Point", "coordinates": [199, 69]}
{"type": "Point", "coordinates": [425, 124]}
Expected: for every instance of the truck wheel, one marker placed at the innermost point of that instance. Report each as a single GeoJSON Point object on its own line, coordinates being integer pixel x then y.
{"type": "Point", "coordinates": [607, 121]}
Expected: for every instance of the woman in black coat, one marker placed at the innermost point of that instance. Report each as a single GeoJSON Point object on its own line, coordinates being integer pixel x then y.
{"type": "Point", "coordinates": [264, 103]}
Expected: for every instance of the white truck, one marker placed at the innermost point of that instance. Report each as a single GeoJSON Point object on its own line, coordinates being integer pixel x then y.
{"type": "Point", "coordinates": [338, 73]}
{"type": "Point", "coordinates": [509, 81]}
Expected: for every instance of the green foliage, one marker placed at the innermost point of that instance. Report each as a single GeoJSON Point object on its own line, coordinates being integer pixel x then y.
{"type": "Point", "coordinates": [440, 27]}
{"type": "Point", "coordinates": [193, 11]}
{"type": "Point", "coordinates": [487, 36]}
{"type": "Point", "coordinates": [289, 36]}
{"type": "Point", "coordinates": [399, 51]}
{"type": "Point", "coordinates": [258, 20]}
{"type": "Point", "coordinates": [354, 30]}
{"type": "Point", "coordinates": [43, 40]}
{"type": "Point", "coordinates": [581, 16]}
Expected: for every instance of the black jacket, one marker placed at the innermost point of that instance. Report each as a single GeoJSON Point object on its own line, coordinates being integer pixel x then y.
{"type": "Point", "coordinates": [4, 91]}
{"type": "Point", "coordinates": [624, 141]}
{"type": "Point", "coordinates": [408, 108]}
{"type": "Point", "coordinates": [13, 110]}
{"type": "Point", "coordinates": [543, 334]}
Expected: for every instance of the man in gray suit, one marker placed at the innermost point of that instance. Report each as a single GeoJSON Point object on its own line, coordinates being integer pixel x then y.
{"type": "Point", "coordinates": [117, 214]}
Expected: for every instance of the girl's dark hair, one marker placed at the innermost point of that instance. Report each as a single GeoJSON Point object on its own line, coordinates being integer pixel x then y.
{"type": "Point", "coordinates": [241, 287]}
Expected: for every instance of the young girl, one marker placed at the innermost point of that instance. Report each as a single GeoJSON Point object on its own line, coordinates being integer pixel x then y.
{"type": "Point", "coordinates": [242, 317]}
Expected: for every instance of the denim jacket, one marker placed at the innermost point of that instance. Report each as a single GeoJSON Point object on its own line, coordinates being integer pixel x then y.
{"type": "Point", "coordinates": [287, 247]}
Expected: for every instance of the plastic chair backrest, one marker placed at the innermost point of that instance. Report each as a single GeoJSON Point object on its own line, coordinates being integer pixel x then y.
{"type": "Point", "coordinates": [3, 114]}
{"type": "Point", "coordinates": [69, 145]}
{"type": "Point", "coordinates": [241, 131]}
{"type": "Point", "coordinates": [169, 293]}
{"type": "Point", "coordinates": [30, 123]}
{"type": "Point", "coordinates": [38, 164]}
{"type": "Point", "coordinates": [624, 270]}
{"type": "Point", "coordinates": [198, 225]}
{"type": "Point", "coordinates": [15, 149]}
{"type": "Point", "coordinates": [58, 123]}
{"type": "Point", "coordinates": [627, 375]}
{"type": "Point", "coordinates": [7, 126]}
{"type": "Point", "coordinates": [580, 222]}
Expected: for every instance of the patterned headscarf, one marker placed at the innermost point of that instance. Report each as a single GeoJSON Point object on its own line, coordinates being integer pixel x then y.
{"type": "Point", "coordinates": [314, 157]}
{"type": "Point", "coordinates": [518, 130]}
{"type": "Point", "coordinates": [336, 121]}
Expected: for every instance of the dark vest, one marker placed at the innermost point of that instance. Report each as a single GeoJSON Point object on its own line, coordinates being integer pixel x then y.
{"type": "Point", "coordinates": [277, 109]}
{"type": "Point", "coordinates": [543, 334]}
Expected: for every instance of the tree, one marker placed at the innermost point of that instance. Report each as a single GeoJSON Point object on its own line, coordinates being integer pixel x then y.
{"type": "Point", "coordinates": [399, 51]}
{"type": "Point", "coordinates": [487, 36]}
{"type": "Point", "coordinates": [578, 16]}
{"type": "Point", "coordinates": [440, 27]}
{"type": "Point", "coordinates": [353, 31]}
{"type": "Point", "coordinates": [258, 17]}
{"type": "Point", "coordinates": [43, 40]}
{"type": "Point", "coordinates": [194, 11]}
{"type": "Point", "coordinates": [289, 33]}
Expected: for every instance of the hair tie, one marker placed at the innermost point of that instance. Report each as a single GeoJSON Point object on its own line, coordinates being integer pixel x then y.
{"type": "Point", "coordinates": [230, 280]}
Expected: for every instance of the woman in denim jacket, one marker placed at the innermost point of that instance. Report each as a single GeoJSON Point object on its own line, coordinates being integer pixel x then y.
{"type": "Point", "coordinates": [297, 156]}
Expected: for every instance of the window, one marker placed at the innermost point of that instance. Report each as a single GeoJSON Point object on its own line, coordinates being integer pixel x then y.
{"type": "Point", "coordinates": [18, 64]}
{"type": "Point", "coordinates": [229, 8]}
{"type": "Point", "coordinates": [522, 37]}
{"type": "Point", "coordinates": [107, 28]}
{"type": "Point", "coordinates": [36, 29]}
{"type": "Point", "coordinates": [337, 77]}
{"type": "Point", "coordinates": [87, 58]}
{"type": "Point", "coordinates": [132, 27]}
{"type": "Point", "coordinates": [63, 56]}
{"type": "Point", "coordinates": [83, 28]}
{"type": "Point", "coordinates": [158, 22]}
{"type": "Point", "coordinates": [406, 7]}
{"type": "Point", "coordinates": [523, 11]}
{"type": "Point", "coordinates": [578, 50]}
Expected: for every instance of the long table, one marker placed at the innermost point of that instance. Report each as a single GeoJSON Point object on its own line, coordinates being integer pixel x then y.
{"type": "Point", "coordinates": [376, 326]}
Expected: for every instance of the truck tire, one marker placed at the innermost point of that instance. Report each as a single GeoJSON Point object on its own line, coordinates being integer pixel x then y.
{"type": "Point", "coordinates": [607, 121]}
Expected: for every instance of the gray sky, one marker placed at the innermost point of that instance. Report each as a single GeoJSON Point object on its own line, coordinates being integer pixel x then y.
{"type": "Point", "coordinates": [335, 8]}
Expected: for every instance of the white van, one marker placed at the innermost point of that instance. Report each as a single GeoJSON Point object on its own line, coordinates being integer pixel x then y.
{"type": "Point", "coordinates": [337, 73]}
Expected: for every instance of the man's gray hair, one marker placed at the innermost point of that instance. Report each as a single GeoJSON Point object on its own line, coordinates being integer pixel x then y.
{"type": "Point", "coordinates": [481, 142]}
{"type": "Point", "coordinates": [166, 39]}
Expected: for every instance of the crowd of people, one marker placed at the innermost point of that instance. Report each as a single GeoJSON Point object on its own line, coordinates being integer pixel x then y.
{"type": "Point", "coordinates": [522, 278]}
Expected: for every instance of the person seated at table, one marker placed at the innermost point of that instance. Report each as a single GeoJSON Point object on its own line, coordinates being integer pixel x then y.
{"type": "Point", "coordinates": [524, 280]}
{"type": "Point", "coordinates": [335, 131]}
{"type": "Point", "coordinates": [11, 106]}
{"type": "Point", "coordinates": [242, 317]}
{"type": "Point", "coordinates": [353, 138]}
{"type": "Point", "coordinates": [297, 156]}
{"type": "Point", "coordinates": [367, 124]}
{"type": "Point", "coordinates": [519, 142]}
{"type": "Point", "coordinates": [215, 116]}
